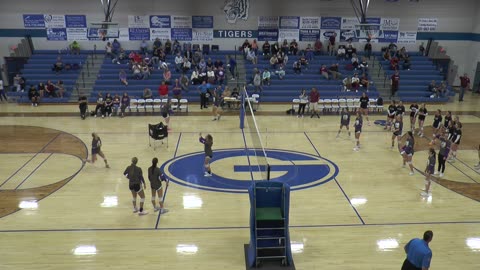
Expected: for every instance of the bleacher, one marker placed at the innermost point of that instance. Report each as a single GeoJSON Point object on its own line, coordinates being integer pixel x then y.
{"type": "Point", "coordinates": [414, 82]}
{"type": "Point", "coordinates": [39, 69]}
{"type": "Point", "coordinates": [288, 88]}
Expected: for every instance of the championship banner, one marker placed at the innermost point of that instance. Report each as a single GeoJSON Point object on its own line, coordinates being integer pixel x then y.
{"type": "Point", "coordinates": [56, 34]}
{"type": "Point", "coordinates": [181, 22]}
{"type": "Point", "coordinates": [160, 33]}
{"type": "Point", "coordinates": [309, 22]}
{"type": "Point", "coordinates": [202, 34]}
{"type": "Point", "coordinates": [289, 22]}
{"type": "Point", "coordinates": [76, 21]}
{"type": "Point", "coordinates": [407, 37]}
{"type": "Point", "coordinates": [33, 21]}
{"type": "Point", "coordinates": [267, 22]}
{"type": "Point", "coordinates": [309, 34]}
{"type": "Point", "coordinates": [202, 22]}
{"type": "Point", "coordinates": [160, 21]}
{"type": "Point", "coordinates": [288, 34]}
{"type": "Point", "coordinates": [54, 21]}
{"type": "Point", "coordinates": [138, 21]}
{"type": "Point", "coordinates": [77, 34]}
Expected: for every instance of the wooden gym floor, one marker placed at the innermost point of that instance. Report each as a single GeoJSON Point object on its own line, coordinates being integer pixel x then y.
{"type": "Point", "coordinates": [58, 212]}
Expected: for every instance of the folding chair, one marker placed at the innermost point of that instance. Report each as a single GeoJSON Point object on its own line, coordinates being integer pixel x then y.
{"type": "Point", "coordinates": [183, 105]}
{"type": "Point", "coordinates": [157, 132]}
{"type": "Point", "coordinates": [133, 105]}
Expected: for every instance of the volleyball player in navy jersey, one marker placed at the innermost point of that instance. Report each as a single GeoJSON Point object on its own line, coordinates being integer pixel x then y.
{"type": "Point", "coordinates": [344, 121]}
{"type": "Point", "coordinates": [165, 111]}
{"type": "Point", "coordinates": [358, 130]}
{"type": "Point", "coordinates": [364, 101]}
{"type": "Point", "coordinates": [429, 171]}
{"type": "Point", "coordinates": [413, 115]}
{"type": "Point", "coordinates": [217, 102]}
{"type": "Point", "coordinates": [407, 151]}
{"type": "Point", "coordinates": [437, 126]}
{"type": "Point", "coordinates": [445, 146]}
{"type": "Point", "coordinates": [422, 114]}
{"type": "Point", "coordinates": [397, 129]}
{"type": "Point", "coordinates": [456, 138]}
{"type": "Point", "coordinates": [97, 149]}
{"type": "Point", "coordinates": [156, 177]}
{"type": "Point", "coordinates": [208, 143]}
{"type": "Point", "coordinates": [135, 184]}
{"type": "Point", "coordinates": [400, 109]}
{"type": "Point", "coordinates": [447, 119]}
{"type": "Point", "coordinates": [392, 111]}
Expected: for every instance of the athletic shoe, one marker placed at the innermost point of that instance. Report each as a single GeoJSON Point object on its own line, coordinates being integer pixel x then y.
{"type": "Point", "coordinates": [411, 173]}
{"type": "Point", "coordinates": [441, 175]}
{"type": "Point", "coordinates": [163, 211]}
{"type": "Point", "coordinates": [95, 116]}
{"type": "Point", "coordinates": [452, 160]}
{"type": "Point", "coordinates": [391, 147]}
{"type": "Point", "coordinates": [425, 194]}
{"type": "Point", "coordinates": [436, 173]}
{"type": "Point", "coordinates": [207, 174]}
{"type": "Point", "coordinates": [135, 210]}
{"type": "Point", "coordinates": [214, 119]}
{"type": "Point", "coordinates": [356, 149]}
{"type": "Point", "coordinates": [103, 116]}
{"type": "Point", "coordinates": [107, 166]}
{"type": "Point", "coordinates": [338, 136]}
{"type": "Point", "coordinates": [218, 117]}
{"type": "Point", "coordinates": [142, 213]}
{"type": "Point", "coordinates": [156, 209]}
{"type": "Point", "coordinates": [477, 166]}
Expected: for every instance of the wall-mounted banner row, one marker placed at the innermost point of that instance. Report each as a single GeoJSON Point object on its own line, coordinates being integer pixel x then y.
{"type": "Point", "coordinates": [54, 21]}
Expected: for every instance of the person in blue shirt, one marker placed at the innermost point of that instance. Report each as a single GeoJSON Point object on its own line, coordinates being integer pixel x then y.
{"type": "Point", "coordinates": [203, 89]}
{"type": "Point", "coordinates": [419, 254]}
{"type": "Point", "coordinates": [232, 64]}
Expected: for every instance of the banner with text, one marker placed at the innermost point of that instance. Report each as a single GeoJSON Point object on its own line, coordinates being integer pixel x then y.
{"type": "Point", "coordinates": [100, 33]}
{"type": "Point", "coordinates": [202, 34]}
{"type": "Point", "coordinates": [427, 24]}
{"type": "Point", "coordinates": [182, 22]}
{"type": "Point", "coordinates": [267, 22]}
{"type": "Point", "coordinates": [288, 34]}
{"type": "Point", "coordinates": [123, 34]}
{"type": "Point", "coordinates": [389, 37]}
{"type": "Point", "coordinates": [309, 34]}
{"type": "Point", "coordinates": [163, 34]}
{"type": "Point", "coordinates": [390, 24]}
{"type": "Point", "coordinates": [407, 37]}
{"type": "Point", "coordinates": [76, 21]}
{"type": "Point", "coordinates": [309, 22]}
{"type": "Point", "coordinates": [138, 21]}
{"type": "Point", "coordinates": [325, 34]}
{"type": "Point", "coordinates": [348, 34]}
{"type": "Point", "coordinates": [182, 34]}
{"type": "Point", "coordinates": [202, 22]}
{"type": "Point", "coordinates": [268, 35]}
{"type": "Point", "coordinates": [160, 21]}
{"type": "Point", "coordinates": [54, 21]}
{"type": "Point", "coordinates": [139, 33]}
{"type": "Point", "coordinates": [77, 34]}
{"type": "Point", "coordinates": [289, 22]}
{"type": "Point", "coordinates": [56, 34]}
{"type": "Point", "coordinates": [348, 23]}
{"type": "Point", "coordinates": [243, 34]}
{"type": "Point", "coordinates": [33, 21]}
{"type": "Point", "coordinates": [330, 22]}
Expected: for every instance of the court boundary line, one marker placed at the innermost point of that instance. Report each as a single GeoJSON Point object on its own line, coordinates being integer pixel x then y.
{"type": "Point", "coordinates": [34, 170]}
{"type": "Point", "coordinates": [336, 181]}
{"type": "Point", "coordinates": [36, 154]}
{"type": "Point", "coordinates": [240, 227]}
{"type": "Point", "coordinates": [166, 188]}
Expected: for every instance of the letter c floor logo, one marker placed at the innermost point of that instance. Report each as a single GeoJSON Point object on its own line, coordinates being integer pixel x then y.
{"type": "Point", "coordinates": [232, 171]}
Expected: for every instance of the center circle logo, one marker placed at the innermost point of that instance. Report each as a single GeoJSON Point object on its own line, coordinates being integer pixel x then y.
{"type": "Point", "coordinates": [233, 169]}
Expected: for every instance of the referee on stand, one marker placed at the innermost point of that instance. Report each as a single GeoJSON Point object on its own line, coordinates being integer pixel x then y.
{"type": "Point", "coordinates": [419, 253]}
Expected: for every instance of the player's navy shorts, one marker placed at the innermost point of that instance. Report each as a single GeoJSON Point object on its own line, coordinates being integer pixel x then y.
{"type": "Point", "coordinates": [135, 187]}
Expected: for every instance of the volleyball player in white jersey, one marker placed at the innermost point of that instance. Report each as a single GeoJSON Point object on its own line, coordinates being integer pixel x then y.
{"type": "Point", "coordinates": [413, 115]}
{"type": "Point", "coordinates": [397, 129]}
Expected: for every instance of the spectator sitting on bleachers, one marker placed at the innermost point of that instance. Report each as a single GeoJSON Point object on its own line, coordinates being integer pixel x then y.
{"type": "Point", "coordinates": [364, 66]}
{"type": "Point", "coordinates": [303, 61]}
{"type": "Point", "coordinates": [195, 77]}
{"type": "Point", "coordinates": [197, 57]}
{"type": "Point", "coordinates": [202, 65]}
{"type": "Point", "coordinates": [266, 49]}
{"type": "Point", "coordinates": [58, 66]}
{"type": "Point", "coordinates": [120, 57]}
{"type": "Point", "coordinates": [421, 49]}
{"type": "Point", "coordinates": [282, 58]}
{"type": "Point", "coordinates": [257, 81]}
{"type": "Point", "coordinates": [75, 47]}
{"type": "Point", "coordinates": [177, 90]}
{"type": "Point", "coordinates": [392, 48]}
{"type": "Point", "coordinates": [156, 56]}
{"type": "Point", "coordinates": [275, 48]}
{"type": "Point", "coordinates": [60, 89]}
{"type": "Point", "coordinates": [137, 72]}
{"type": "Point", "coordinates": [350, 50]}
{"type": "Point", "coordinates": [177, 48]}
{"type": "Point", "coordinates": [178, 62]}
{"type": "Point", "coordinates": [125, 104]}
{"type": "Point", "coordinates": [285, 47]}
{"type": "Point", "coordinates": [293, 47]}
{"type": "Point", "coordinates": [148, 61]}
{"type": "Point", "coordinates": [167, 76]}
{"type": "Point", "coordinates": [41, 89]}
{"type": "Point", "coordinates": [442, 89]}
{"type": "Point", "coordinates": [168, 47]}
{"type": "Point", "coordinates": [333, 70]}
{"type": "Point", "coordinates": [341, 53]}
{"type": "Point", "coordinates": [266, 77]}
{"type": "Point", "coordinates": [218, 64]}
{"type": "Point", "coordinates": [220, 75]}
{"type": "Point", "coordinates": [116, 46]}
{"type": "Point", "coordinates": [355, 82]}
{"type": "Point", "coordinates": [157, 43]}
{"type": "Point", "coordinates": [251, 56]}
{"type": "Point", "coordinates": [297, 67]}
{"type": "Point", "coordinates": [116, 103]}
{"type": "Point", "coordinates": [324, 72]}
{"type": "Point", "coordinates": [108, 105]}
{"type": "Point", "coordinates": [280, 72]}
{"type": "Point", "coordinates": [354, 61]}
{"type": "Point", "coordinates": [50, 89]}
{"type": "Point", "coordinates": [432, 87]}
{"type": "Point", "coordinates": [309, 52]}
{"type": "Point", "coordinates": [188, 54]}
{"type": "Point", "coordinates": [209, 63]}
{"type": "Point", "coordinates": [202, 74]}
{"type": "Point", "coordinates": [406, 63]}
{"type": "Point", "coordinates": [147, 93]}
{"type": "Point", "coordinates": [136, 57]}
{"type": "Point", "coordinates": [347, 84]}
{"type": "Point", "coordinates": [364, 82]}
{"type": "Point", "coordinates": [245, 48]}
{"type": "Point", "coordinates": [368, 49]}
{"type": "Point", "coordinates": [109, 51]}
{"type": "Point", "coordinates": [184, 82]}
{"type": "Point", "coordinates": [394, 63]}
{"type": "Point", "coordinates": [19, 83]}
{"type": "Point", "coordinates": [186, 65]}
{"type": "Point", "coordinates": [144, 47]}
{"type": "Point", "coordinates": [211, 76]}
{"type": "Point", "coordinates": [254, 46]}
{"type": "Point", "coordinates": [387, 56]}
{"type": "Point", "coordinates": [33, 95]}
{"type": "Point", "coordinates": [100, 105]}
{"type": "Point", "coordinates": [318, 47]}
{"type": "Point", "coordinates": [402, 53]}
{"type": "Point", "coordinates": [145, 72]}
{"type": "Point", "coordinates": [122, 76]}
{"type": "Point", "coordinates": [274, 61]}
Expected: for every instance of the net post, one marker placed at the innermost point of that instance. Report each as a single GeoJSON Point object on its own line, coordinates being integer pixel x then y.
{"type": "Point", "coordinates": [242, 108]}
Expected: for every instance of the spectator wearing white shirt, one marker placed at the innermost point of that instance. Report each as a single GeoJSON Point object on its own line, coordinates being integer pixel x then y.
{"type": "Point", "coordinates": [354, 61]}
{"type": "Point", "coordinates": [2, 92]}
{"type": "Point", "coordinates": [186, 65]}
{"type": "Point", "coordinates": [266, 77]}
{"type": "Point", "coordinates": [210, 76]}
{"type": "Point", "coordinates": [280, 73]}
{"type": "Point", "coordinates": [251, 56]}
{"type": "Point", "coordinates": [178, 62]}
{"type": "Point", "coordinates": [355, 82]}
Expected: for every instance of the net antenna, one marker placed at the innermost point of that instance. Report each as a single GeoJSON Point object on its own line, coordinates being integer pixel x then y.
{"type": "Point", "coordinates": [109, 9]}
{"type": "Point", "coordinates": [360, 7]}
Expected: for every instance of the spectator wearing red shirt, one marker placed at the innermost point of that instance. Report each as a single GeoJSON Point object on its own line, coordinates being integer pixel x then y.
{"type": "Point", "coordinates": [314, 97]}
{"type": "Point", "coordinates": [137, 58]}
{"type": "Point", "coordinates": [318, 47]}
{"type": "Point", "coordinates": [394, 82]}
{"type": "Point", "coordinates": [464, 84]}
{"type": "Point", "coordinates": [50, 90]}
{"type": "Point", "coordinates": [331, 44]}
{"type": "Point", "coordinates": [324, 72]}
{"type": "Point", "coordinates": [163, 90]}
